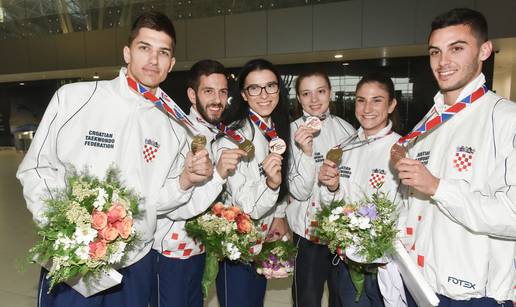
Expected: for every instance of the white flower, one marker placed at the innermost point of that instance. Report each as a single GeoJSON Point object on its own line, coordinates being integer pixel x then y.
{"type": "Point", "coordinates": [363, 222]}
{"type": "Point", "coordinates": [101, 198]}
{"type": "Point", "coordinates": [354, 221]}
{"type": "Point", "coordinates": [284, 238]}
{"type": "Point", "coordinates": [337, 211]}
{"type": "Point", "coordinates": [83, 252]}
{"type": "Point", "coordinates": [63, 241]}
{"type": "Point", "coordinates": [333, 217]}
{"type": "Point", "coordinates": [115, 257]}
{"type": "Point", "coordinates": [84, 234]}
{"type": "Point", "coordinates": [373, 233]}
{"type": "Point", "coordinates": [114, 197]}
{"type": "Point", "coordinates": [117, 252]}
{"type": "Point", "coordinates": [233, 252]}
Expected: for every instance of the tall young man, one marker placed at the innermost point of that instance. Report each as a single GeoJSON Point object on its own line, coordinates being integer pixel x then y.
{"type": "Point", "coordinates": [181, 258]}
{"type": "Point", "coordinates": [461, 209]}
{"type": "Point", "coordinates": [129, 124]}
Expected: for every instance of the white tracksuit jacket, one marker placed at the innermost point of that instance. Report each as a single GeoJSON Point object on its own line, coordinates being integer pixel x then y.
{"type": "Point", "coordinates": [247, 188]}
{"type": "Point", "coordinates": [304, 170]}
{"type": "Point", "coordinates": [102, 124]}
{"type": "Point", "coordinates": [171, 239]}
{"type": "Point", "coordinates": [365, 168]}
{"type": "Point", "coordinates": [463, 238]}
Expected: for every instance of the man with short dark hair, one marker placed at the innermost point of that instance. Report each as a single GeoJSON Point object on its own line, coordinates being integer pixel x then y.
{"type": "Point", "coordinates": [461, 173]}
{"type": "Point", "coordinates": [181, 258]}
{"type": "Point", "coordinates": [146, 146]}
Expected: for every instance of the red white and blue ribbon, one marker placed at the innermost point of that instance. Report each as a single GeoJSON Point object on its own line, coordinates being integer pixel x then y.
{"type": "Point", "coordinates": [232, 134]}
{"type": "Point", "coordinates": [270, 132]}
{"type": "Point", "coordinates": [163, 102]}
{"type": "Point", "coordinates": [446, 115]}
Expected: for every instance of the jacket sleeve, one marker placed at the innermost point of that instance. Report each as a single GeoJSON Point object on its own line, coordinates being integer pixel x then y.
{"type": "Point", "coordinates": [327, 196]}
{"type": "Point", "coordinates": [41, 173]}
{"type": "Point", "coordinates": [281, 207]}
{"type": "Point", "coordinates": [202, 198]}
{"type": "Point", "coordinates": [248, 188]}
{"type": "Point", "coordinates": [171, 196]}
{"type": "Point", "coordinates": [302, 174]}
{"type": "Point", "coordinates": [492, 213]}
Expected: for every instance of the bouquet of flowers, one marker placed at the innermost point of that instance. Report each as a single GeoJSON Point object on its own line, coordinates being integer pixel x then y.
{"type": "Point", "coordinates": [276, 259]}
{"type": "Point", "coordinates": [361, 233]}
{"type": "Point", "coordinates": [88, 227]}
{"type": "Point", "coordinates": [226, 232]}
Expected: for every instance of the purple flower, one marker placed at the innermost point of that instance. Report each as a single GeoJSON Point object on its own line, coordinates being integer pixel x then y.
{"type": "Point", "coordinates": [369, 211]}
{"type": "Point", "coordinates": [273, 258]}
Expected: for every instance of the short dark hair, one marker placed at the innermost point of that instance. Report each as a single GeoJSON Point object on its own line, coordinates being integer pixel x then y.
{"type": "Point", "coordinates": [203, 68]}
{"type": "Point", "coordinates": [463, 16]}
{"type": "Point", "coordinates": [156, 21]}
{"type": "Point", "coordinates": [310, 73]}
{"type": "Point", "coordinates": [380, 78]}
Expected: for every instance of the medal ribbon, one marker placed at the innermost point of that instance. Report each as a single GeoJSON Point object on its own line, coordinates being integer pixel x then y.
{"type": "Point", "coordinates": [446, 115]}
{"type": "Point", "coordinates": [232, 134]}
{"type": "Point", "coordinates": [164, 102]}
{"type": "Point", "coordinates": [349, 142]}
{"type": "Point", "coordinates": [270, 132]}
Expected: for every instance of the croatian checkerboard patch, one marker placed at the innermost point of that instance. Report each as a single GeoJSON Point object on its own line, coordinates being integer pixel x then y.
{"type": "Point", "coordinates": [377, 178]}
{"type": "Point", "coordinates": [463, 159]}
{"type": "Point", "coordinates": [150, 150]}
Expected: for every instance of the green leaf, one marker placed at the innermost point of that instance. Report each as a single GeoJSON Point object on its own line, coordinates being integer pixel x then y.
{"type": "Point", "coordinates": [211, 269]}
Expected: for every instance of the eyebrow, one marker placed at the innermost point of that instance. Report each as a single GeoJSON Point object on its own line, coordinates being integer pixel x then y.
{"type": "Point", "coordinates": [452, 44]}
{"type": "Point", "coordinates": [161, 48]}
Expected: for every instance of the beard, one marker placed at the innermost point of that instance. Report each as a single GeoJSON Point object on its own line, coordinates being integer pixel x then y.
{"type": "Point", "coordinates": [201, 108]}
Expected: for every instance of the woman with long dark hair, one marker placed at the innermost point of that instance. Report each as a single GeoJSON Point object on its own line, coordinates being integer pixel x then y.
{"type": "Point", "coordinates": [259, 184]}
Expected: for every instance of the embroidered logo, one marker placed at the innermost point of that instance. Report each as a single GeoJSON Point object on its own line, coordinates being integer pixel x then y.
{"type": "Point", "coordinates": [463, 158]}
{"type": "Point", "coordinates": [99, 139]}
{"type": "Point", "coordinates": [345, 171]}
{"type": "Point", "coordinates": [377, 178]}
{"type": "Point", "coordinates": [150, 150]}
{"type": "Point", "coordinates": [423, 157]}
{"type": "Point", "coordinates": [318, 157]}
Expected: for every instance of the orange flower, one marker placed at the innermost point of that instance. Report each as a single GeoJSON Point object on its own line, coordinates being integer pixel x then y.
{"type": "Point", "coordinates": [98, 249]}
{"type": "Point", "coordinates": [243, 223]}
{"type": "Point", "coordinates": [229, 215]}
{"type": "Point", "coordinates": [109, 233]}
{"type": "Point", "coordinates": [217, 209]}
{"type": "Point", "coordinates": [116, 213]}
{"type": "Point", "coordinates": [98, 219]}
{"type": "Point", "coordinates": [124, 227]}
{"type": "Point", "coordinates": [235, 209]}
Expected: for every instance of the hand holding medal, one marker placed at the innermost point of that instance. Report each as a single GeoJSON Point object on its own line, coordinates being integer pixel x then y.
{"type": "Point", "coordinates": [398, 152]}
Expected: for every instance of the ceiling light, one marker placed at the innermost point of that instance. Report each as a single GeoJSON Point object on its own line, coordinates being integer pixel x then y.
{"type": "Point", "coordinates": [21, 83]}
{"type": "Point", "coordinates": [345, 64]}
{"type": "Point", "coordinates": [96, 76]}
{"type": "Point", "coordinates": [338, 56]}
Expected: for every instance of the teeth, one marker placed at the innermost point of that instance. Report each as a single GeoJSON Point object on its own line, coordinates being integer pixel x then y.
{"type": "Point", "coordinates": [446, 73]}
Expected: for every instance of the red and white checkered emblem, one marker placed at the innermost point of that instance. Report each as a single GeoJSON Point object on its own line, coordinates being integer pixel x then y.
{"type": "Point", "coordinates": [149, 152]}
{"type": "Point", "coordinates": [463, 158]}
{"type": "Point", "coordinates": [377, 178]}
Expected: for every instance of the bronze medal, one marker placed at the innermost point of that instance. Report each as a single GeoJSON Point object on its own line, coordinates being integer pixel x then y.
{"type": "Point", "coordinates": [198, 143]}
{"type": "Point", "coordinates": [334, 155]}
{"type": "Point", "coordinates": [277, 146]}
{"type": "Point", "coordinates": [398, 152]}
{"type": "Point", "coordinates": [248, 147]}
{"type": "Point", "coordinates": [314, 123]}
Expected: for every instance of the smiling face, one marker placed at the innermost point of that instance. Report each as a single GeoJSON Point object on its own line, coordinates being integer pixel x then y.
{"type": "Point", "coordinates": [372, 107]}
{"type": "Point", "coordinates": [211, 97]}
{"type": "Point", "coordinates": [314, 95]}
{"type": "Point", "coordinates": [456, 58]}
{"type": "Point", "coordinates": [149, 57]}
{"type": "Point", "coordinates": [264, 103]}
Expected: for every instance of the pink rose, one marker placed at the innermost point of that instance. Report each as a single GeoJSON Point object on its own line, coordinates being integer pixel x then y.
{"type": "Point", "coordinates": [109, 233]}
{"type": "Point", "coordinates": [99, 219]}
{"type": "Point", "coordinates": [235, 209]}
{"type": "Point", "coordinates": [124, 227]}
{"type": "Point", "coordinates": [116, 213]}
{"type": "Point", "coordinates": [98, 249]}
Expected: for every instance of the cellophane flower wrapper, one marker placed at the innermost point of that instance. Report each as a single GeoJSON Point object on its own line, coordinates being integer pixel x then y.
{"type": "Point", "coordinates": [276, 259]}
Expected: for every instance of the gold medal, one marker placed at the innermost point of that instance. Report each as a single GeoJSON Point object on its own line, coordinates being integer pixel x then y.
{"type": "Point", "coordinates": [334, 155]}
{"type": "Point", "coordinates": [277, 146]}
{"type": "Point", "coordinates": [248, 147]}
{"type": "Point", "coordinates": [398, 152]}
{"type": "Point", "coordinates": [198, 143]}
